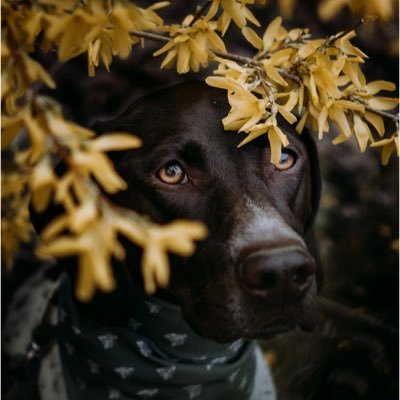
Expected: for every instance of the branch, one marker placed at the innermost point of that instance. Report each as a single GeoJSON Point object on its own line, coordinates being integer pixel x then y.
{"type": "Point", "coordinates": [384, 114]}
{"type": "Point", "coordinates": [151, 36]}
{"type": "Point", "coordinates": [235, 57]}
{"type": "Point", "coordinates": [336, 37]}
{"type": "Point", "coordinates": [252, 62]}
{"type": "Point", "coordinates": [200, 12]}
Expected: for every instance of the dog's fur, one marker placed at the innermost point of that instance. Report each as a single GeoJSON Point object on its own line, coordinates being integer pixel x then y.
{"type": "Point", "coordinates": [247, 204]}
{"type": "Point", "coordinates": [258, 272]}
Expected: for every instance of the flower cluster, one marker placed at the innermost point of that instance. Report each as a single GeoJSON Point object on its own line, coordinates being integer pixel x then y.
{"type": "Point", "coordinates": [195, 40]}
{"type": "Point", "coordinates": [304, 80]}
{"type": "Point", "coordinates": [90, 225]}
{"type": "Point", "coordinates": [328, 9]}
{"type": "Point", "coordinates": [96, 27]}
{"type": "Point", "coordinates": [191, 45]}
{"type": "Point", "coordinates": [384, 9]}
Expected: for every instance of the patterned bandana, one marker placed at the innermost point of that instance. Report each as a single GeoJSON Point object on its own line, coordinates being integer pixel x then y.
{"type": "Point", "coordinates": [155, 355]}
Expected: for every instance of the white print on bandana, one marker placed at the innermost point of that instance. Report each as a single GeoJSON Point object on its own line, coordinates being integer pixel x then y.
{"type": "Point", "coordinates": [143, 348]}
{"type": "Point", "coordinates": [235, 346]}
{"type": "Point", "coordinates": [153, 308]}
{"type": "Point", "coordinates": [124, 372]}
{"type": "Point", "coordinates": [80, 383]}
{"type": "Point", "coordinates": [233, 375]}
{"type": "Point", "coordinates": [94, 368]}
{"type": "Point", "coordinates": [114, 394]}
{"type": "Point", "coordinates": [147, 393]}
{"type": "Point", "coordinates": [108, 340]}
{"type": "Point", "coordinates": [70, 348]}
{"type": "Point", "coordinates": [176, 339]}
{"type": "Point", "coordinates": [215, 361]}
{"type": "Point", "coordinates": [202, 358]}
{"type": "Point", "coordinates": [76, 330]}
{"type": "Point", "coordinates": [134, 324]}
{"type": "Point", "coordinates": [193, 391]}
{"type": "Point", "coordinates": [243, 383]}
{"type": "Point", "coordinates": [167, 372]}
{"type": "Point", "coordinates": [61, 314]}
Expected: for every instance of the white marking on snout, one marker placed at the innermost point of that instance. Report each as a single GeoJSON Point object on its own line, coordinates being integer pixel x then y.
{"type": "Point", "coordinates": [261, 225]}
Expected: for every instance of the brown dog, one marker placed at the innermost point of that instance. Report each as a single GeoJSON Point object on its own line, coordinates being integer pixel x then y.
{"type": "Point", "coordinates": [256, 275]}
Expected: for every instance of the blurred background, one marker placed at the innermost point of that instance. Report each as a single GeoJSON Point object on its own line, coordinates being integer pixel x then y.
{"type": "Point", "coordinates": [353, 354]}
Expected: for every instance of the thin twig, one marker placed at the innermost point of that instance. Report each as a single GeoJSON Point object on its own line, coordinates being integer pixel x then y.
{"type": "Point", "coordinates": [200, 12]}
{"type": "Point", "coordinates": [228, 56]}
{"type": "Point", "coordinates": [252, 62]}
{"type": "Point", "coordinates": [235, 57]}
{"type": "Point", "coordinates": [288, 75]}
{"type": "Point", "coordinates": [384, 114]}
{"type": "Point", "coordinates": [334, 38]}
{"type": "Point", "coordinates": [151, 36]}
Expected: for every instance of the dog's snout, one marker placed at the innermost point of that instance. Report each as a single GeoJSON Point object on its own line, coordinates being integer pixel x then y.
{"type": "Point", "coordinates": [279, 275]}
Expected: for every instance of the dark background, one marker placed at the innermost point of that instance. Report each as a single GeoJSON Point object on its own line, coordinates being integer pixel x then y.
{"type": "Point", "coordinates": [353, 354]}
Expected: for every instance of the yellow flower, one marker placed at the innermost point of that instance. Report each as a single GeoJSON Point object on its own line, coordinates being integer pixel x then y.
{"type": "Point", "coordinates": [246, 111]}
{"type": "Point", "coordinates": [376, 121]}
{"type": "Point", "coordinates": [96, 163]}
{"type": "Point", "coordinates": [100, 30]}
{"type": "Point", "coordinates": [42, 184]}
{"type": "Point", "coordinates": [277, 139]}
{"type": "Point", "coordinates": [384, 9]}
{"type": "Point", "coordinates": [388, 147]}
{"type": "Point", "coordinates": [191, 46]}
{"type": "Point", "coordinates": [383, 103]}
{"type": "Point", "coordinates": [287, 7]}
{"type": "Point", "coordinates": [114, 141]}
{"type": "Point", "coordinates": [234, 76]}
{"type": "Point", "coordinates": [93, 248]}
{"type": "Point", "coordinates": [235, 10]}
{"type": "Point", "coordinates": [177, 237]}
{"type": "Point", "coordinates": [15, 217]}
{"type": "Point", "coordinates": [362, 132]}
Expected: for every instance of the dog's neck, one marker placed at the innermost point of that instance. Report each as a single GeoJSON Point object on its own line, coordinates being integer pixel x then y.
{"type": "Point", "coordinates": [162, 323]}
{"type": "Point", "coordinates": [155, 351]}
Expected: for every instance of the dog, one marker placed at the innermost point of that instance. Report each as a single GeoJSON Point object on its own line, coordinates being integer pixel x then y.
{"type": "Point", "coordinates": [255, 276]}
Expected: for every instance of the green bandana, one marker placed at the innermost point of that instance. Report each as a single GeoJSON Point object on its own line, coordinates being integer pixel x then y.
{"type": "Point", "coordinates": [155, 355]}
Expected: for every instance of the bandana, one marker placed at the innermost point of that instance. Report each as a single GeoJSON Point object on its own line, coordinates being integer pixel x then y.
{"type": "Point", "coordinates": [154, 355]}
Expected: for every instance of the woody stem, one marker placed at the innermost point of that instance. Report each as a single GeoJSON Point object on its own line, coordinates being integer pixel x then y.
{"type": "Point", "coordinates": [251, 62]}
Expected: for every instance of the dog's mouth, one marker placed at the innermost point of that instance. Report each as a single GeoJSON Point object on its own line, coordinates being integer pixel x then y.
{"type": "Point", "coordinates": [222, 330]}
{"type": "Point", "coordinates": [281, 326]}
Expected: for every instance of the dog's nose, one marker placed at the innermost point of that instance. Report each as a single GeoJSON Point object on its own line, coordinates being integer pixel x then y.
{"type": "Point", "coordinates": [279, 275]}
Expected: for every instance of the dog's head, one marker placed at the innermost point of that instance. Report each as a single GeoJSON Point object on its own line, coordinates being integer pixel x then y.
{"type": "Point", "coordinates": [254, 276]}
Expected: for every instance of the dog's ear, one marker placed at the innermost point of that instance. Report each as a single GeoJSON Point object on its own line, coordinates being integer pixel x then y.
{"type": "Point", "coordinates": [315, 175]}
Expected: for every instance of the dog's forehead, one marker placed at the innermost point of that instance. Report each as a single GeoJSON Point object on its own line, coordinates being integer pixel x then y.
{"type": "Point", "coordinates": [189, 112]}
{"type": "Point", "coordinates": [184, 109]}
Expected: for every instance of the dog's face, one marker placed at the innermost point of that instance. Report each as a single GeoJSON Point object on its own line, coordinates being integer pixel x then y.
{"type": "Point", "coordinates": [254, 275]}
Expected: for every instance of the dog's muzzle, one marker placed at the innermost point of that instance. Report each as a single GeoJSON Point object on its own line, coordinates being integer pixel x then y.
{"type": "Point", "coordinates": [281, 275]}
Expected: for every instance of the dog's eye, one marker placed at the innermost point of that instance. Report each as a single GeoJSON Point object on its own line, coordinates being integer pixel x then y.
{"type": "Point", "coordinates": [287, 161]}
{"type": "Point", "coordinates": [172, 173]}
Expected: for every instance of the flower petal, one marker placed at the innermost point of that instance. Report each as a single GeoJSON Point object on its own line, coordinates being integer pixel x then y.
{"type": "Point", "coordinates": [383, 103]}
{"type": "Point", "coordinates": [252, 37]}
{"type": "Point", "coordinates": [376, 86]}
{"type": "Point", "coordinates": [270, 33]}
{"type": "Point", "coordinates": [362, 132]}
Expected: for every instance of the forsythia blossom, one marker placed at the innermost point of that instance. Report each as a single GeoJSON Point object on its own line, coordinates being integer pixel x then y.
{"type": "Point", "coordinates": [319, 78]}
{"type": "Point", "coordinates": [291, 76]}
{"type": "Point", "coordinates": [191, 46]}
